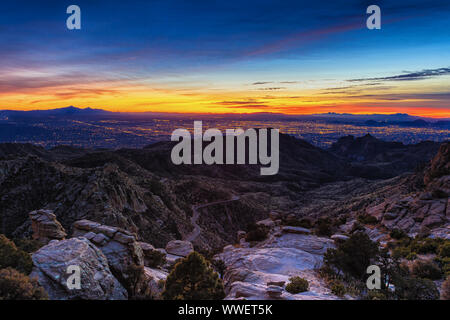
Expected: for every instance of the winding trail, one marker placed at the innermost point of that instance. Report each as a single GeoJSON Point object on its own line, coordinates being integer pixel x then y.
{"type": "Point", "coordinates": [196, 214]}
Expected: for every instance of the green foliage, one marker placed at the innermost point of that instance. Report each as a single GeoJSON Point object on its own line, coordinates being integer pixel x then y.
{"type": "Point", "coordinates": [424, 246]}
{"type": "Point", "coordinates": [297, 285]}
{"type": "Point", "coordinates": [408, 288]}
{"type": "Point", "coordinates": [444, 250]}
{"type": "Point", "coordinates": [337, 288]}
{"type": "Point", "coordinates": [323, 227]}
{"type": "Point", "coordinates": [401, 252]}
{"type": "Point", "coordinates": [219, 266]}
{"type": "Point", "coordinates": [353, 256]}
{"type": "Point", "coordinates": [367, 219]}
{"type": "Point", "coordinates": [445, 289]}
{"type": "Point", "coordinates": [256, 233]}
{"type": "Point", "coordinates": [398, 234]}
{"type": "Point", "coordinates": [426, 270]}
{"type": "Point", "coordinates": [155, 259]}
{"type": "Point", "coordinates": [28, 245]}
{"type": "Point", "coordinates": [11, 256]}
{"type": "Point", "coordinates": [411, 256]}
{"type": "Point", "coordinates": [193, 279]}
{"type": "Point", "coordinates": [376, 295]}
{"type": "Point", "coordinates": [17, 286]}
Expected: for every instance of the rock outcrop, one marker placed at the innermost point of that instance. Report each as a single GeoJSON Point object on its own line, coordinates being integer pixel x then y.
{"type": "Point", "coordinates": [51, 264]}
{"type": "Point", "coordinates": [179, 248]}
{"type": "Point", "coordinates": [260, 272]}
{"type": "Point", "coordinates": [45, 226]}
{"type": "Point", "coordinates": [119, 246]}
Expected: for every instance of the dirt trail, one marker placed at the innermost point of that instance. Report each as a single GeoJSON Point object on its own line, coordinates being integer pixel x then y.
{"type": "Point", "coordinates": [196, 214]}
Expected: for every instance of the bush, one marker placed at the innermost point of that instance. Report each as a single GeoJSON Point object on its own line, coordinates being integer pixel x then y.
{"type": "Point", "coordinates": [337, 288]}
{"type": "Point", "coordinates": [401, 252]}
{"type": "Point", "coordinates": [445, 289]}
{"type": "Point", "coordinates": [297, 285]}
{"type": "Point", "coordinates": [323, 227]}
{"type": "Point", "coordinates": [154, 258]}
{"type": "Point", "coordinates": [28, 245]}
{"type": "Point", "coordinates": [398, 234]}
{"type": "Point", "coordinates": [193, 279]}
{"type": "Point", "coordinates": [425, 246]}
{"type": "Point", "coordinates": [11, 256]}
{"type": "Point", "coordinates": [376, 295]}
{"type": "Point", "coordinates": [444, 250]}
{"type": "Point", "coordinates": [367, 219]}
{"type": "Point", "coordinates": [354, 255]}
{"type": "Point", "coordinates": [411, 256]}
{"type": "Point", "coordinates": [416, 289]}
{"type": "Point", "coordinates": [256, 233]}
{"type": "Point", "coordinates": [426, 270]}
{"type": "Point", "coordinates": [17, 286]}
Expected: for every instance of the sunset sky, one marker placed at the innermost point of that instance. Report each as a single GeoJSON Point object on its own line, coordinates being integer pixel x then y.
{"type": "Point", "coordinates": [295, 57]}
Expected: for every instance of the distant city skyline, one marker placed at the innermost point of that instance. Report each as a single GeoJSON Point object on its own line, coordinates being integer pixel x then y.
{"type": "Point", "coordinates": [291, 57]}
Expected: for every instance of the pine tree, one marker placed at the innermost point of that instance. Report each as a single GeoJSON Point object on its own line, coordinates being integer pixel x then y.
{"type": "Point", "coordinates": [193, 279]}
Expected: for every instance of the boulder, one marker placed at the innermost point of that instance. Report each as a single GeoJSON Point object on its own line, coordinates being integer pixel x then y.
{"type": "Point", "coordinates": [339, 237]}
{"type": "Point", "coordinates": [154, 279]}
{"type": "Point", "coordinates": [179, 248]}
{"type": "Point", "coordinates": [269, 223]}
{"type": "Point", "coordinates": [274, 292]}
{"type": "Point", "coordinates": [295, 230]}
{"type": "Point", "coordinates": [45, 226]}
{"type": "Point", "coordinates": [51, 264]}
{"type": "Point", "coordinates": [119, 246]}
{"type": "Point", "coordinates": [276, 283]}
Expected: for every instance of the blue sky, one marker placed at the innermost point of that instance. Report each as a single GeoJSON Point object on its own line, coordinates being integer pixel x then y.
{"type": "Point", "coordinates": [150, 55]}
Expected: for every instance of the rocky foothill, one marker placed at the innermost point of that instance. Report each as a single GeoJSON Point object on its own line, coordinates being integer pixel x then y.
{"type": "Point", "coordinates": [124, 215]}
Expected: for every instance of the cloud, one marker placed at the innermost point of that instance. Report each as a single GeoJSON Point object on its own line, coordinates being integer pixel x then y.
{"type": "Point", "coordinates": [418, 75]}
{"type": "Point", "coordinates": [261, 82]}
{"type": "Point", "coordinates": [272, 89]}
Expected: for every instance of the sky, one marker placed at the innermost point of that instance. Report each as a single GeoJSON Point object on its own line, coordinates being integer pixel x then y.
{"type": "Point", "coordinates": [293, 57]}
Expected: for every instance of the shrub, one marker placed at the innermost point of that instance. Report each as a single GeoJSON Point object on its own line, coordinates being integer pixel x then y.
{"type": "Point", "coordinates": [444, 250]}
{"type": "Point", "coordinates": [323, 227]}
{"type": "Point", "coordinates": [154, 258]}
{"type": "Point", "coordinates": [220, 266]}
{"type": "Point", "coordinates": [337, 288]}
{"type": "Point", "coordinates": [376, 295]}
{"type": "Point", "coordinates": [411, 256]}
{"type": "Point", "coordinates": [425, 246]}
{"type": "Point", "coordinates": [367, 219]}
{"type": "Point", "coordinates": [17, 286]}
{"type": "Point", "coordinates": [426, 270]}
{"type": "Point", "coordinates": [354, 255]}
{"type": "Point", "coordinates": [401, 252]}
{"type": "Point", "coordinates": [11, 256]}
{"type": "Point", "coordinates": [398, 234]}
{"type": "Point", "coordinates": [297, 285]}
{"type": "Point", "coordinates": [193, 279]}
{"type": "Point", "coordinates": [256, 233]}
{"type": "Point", "coordinates": [415, 289]}
{"type": "Point", "coordinates": [28, 245]}
{"type": "Point", "coordinates": [445, 289]}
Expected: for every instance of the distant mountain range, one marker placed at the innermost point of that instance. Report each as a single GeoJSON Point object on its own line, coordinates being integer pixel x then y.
{"type": "Point", "coordinates": [402, 119]}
